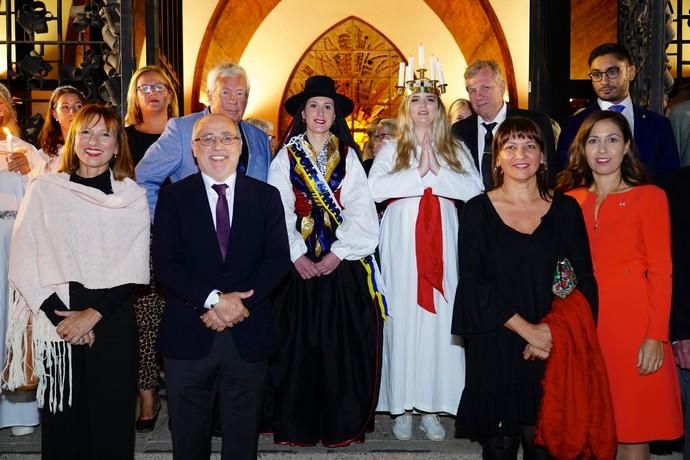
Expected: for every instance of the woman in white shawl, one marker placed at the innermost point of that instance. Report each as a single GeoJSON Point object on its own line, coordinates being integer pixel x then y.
{"type": "Point", "coordinates": [80, 243]}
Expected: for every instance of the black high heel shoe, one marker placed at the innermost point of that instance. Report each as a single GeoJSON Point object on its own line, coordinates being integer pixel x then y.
{"type": "Point", "coordinates": [147, 425]}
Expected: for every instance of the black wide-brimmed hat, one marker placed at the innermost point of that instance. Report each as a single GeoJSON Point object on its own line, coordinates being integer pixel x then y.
{"type": "Point", "coordinates": [319, 85]}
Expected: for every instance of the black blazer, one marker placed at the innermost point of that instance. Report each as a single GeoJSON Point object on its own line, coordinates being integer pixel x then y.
{"type": "Point", "coordinates": [466, 131]}
{"type": "Point", "coordinates": [188, 264]}
{"type": "Point", "coordinates": [678, 192]}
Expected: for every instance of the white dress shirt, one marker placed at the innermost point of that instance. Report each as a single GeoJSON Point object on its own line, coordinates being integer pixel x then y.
{"type": "Point", "coordinates": [481, 131]}
{"type": "Point", "coordinates": [628, 112]}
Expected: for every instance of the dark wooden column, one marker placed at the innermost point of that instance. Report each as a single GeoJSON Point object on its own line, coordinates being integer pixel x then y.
{"type": "Point", "coordinates": [641, 28]}
{"type": "Point", "coordinates": [549, 57]}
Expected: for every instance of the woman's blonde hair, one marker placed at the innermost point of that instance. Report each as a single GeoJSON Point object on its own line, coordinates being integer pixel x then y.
{"type": "Point", "coordinates": [11, 124]}
{"type": "Point", "coordinates": [445, 144]}
{"type": "Point", "coordinates": [133, 116]}
{"type": "Point", "coordinates": [121, 164]}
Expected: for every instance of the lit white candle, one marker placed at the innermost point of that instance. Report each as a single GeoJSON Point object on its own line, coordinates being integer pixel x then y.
{"type": "Point", "coordinates": [421, 56]}
{"type": "Point", "coordinates": [432, 65]}
{"type": "Point", "coordinates": [410, 69]}
{"type": "Point", "coordinates": [401, 74]}
{"type": "Point", "coordinates": [441, 80]}
{"type": "Point", "coordinates": [8, 139]}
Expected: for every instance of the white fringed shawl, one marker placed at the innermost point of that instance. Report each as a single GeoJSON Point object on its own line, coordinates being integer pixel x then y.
{"type": "Point", "coordinates": [65, 232]}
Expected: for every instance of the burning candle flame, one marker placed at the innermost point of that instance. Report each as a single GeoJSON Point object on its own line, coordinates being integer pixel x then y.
{"type": "Point", "coordinates": [8, 139]}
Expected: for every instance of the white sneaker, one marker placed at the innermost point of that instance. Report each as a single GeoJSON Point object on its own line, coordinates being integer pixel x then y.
{"type": "Point", "coordinates": [21, 430]}
{"type": "Point", "coordinates": [402, 427]}
{"type": "Point", "coordinates": [432, 428]}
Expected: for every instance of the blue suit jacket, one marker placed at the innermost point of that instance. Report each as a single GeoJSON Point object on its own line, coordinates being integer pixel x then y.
{"type": "Point", "coordinates": [188, 264]}
{"type": "Point", "coordinates": [171, 155]}
{"type": "Point", "coordinates": [653, 137]}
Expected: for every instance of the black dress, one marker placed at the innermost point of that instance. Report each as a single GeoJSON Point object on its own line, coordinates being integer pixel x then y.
{"type": "Point", "coordinates": [100, 421]}
{"type": "Point", "coordinates": [139, 142]}
{"type": "Point", "coordinates": [504, 272]}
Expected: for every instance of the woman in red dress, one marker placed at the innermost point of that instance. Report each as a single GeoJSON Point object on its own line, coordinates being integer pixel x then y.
{"type": "Point", "coordinates": [629, 234]}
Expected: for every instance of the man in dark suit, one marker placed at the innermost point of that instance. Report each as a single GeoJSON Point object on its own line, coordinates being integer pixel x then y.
{"type": "Point", "coordinates": [486, 87]}
{"type": "Point", "coordinates": [611, 72]}
{"type": "Point", "coordinates": [678, 192]}
{"type": "Point", "coordinates": [220, 248]}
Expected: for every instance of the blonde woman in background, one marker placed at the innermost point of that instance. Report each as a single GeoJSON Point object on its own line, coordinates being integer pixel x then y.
{"type": "Point", "coordinates": [384, 131]}
{"type": "Point", "coordinates": [152, 101]}
{"type": "Point", "coordinates": [458, 110]}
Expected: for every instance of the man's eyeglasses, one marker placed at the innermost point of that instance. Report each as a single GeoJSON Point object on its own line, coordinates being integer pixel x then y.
{"type": "Point", "coordinates": [69, 108]}
{"type": "Point", "coordinates": [612, 73]}
{"type": "Point", "coordinates": [383, 136]}
{"type": "Point", "coordinates": [210, 139]}
{"type": "Point", "coordinates": [153, 88]}
{"type": "Point", "coordinates": [237, 95]}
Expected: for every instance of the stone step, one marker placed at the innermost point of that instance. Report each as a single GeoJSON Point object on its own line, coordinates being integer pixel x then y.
{"type": "Point", "coordinates": [379, 445]}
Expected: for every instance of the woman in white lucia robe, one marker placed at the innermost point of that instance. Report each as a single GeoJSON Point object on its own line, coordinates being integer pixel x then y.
{"type": "Point", "coordinates": [423, 365]}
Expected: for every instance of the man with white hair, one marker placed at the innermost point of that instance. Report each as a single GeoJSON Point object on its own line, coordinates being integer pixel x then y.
{"type": "Point", "coordinates": [486, 88]}
{"type": "Point", "coordinates": [171, 157]}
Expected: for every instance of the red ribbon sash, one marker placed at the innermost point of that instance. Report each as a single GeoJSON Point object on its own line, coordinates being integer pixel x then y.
{"type": "Point", "coordinates": [429, 248]}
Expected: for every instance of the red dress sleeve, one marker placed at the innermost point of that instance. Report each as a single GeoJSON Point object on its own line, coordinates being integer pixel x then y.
{"type": "Point", "coordinates": [656, 240]}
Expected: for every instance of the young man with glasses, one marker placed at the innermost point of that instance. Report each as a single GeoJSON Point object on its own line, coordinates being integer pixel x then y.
{"type": "Point", "coordinates": [612, 72]}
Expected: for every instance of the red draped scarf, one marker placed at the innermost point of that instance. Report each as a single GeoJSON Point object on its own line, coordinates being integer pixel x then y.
{"type": "Point", "coordinates": [429, 247]}
{"type": "Point", "coordinates": [576, 414]}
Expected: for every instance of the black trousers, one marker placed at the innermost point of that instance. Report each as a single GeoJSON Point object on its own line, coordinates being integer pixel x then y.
{"type": "Point", "coordinates": [192, 386]}
{"type": "Point", "coordinates": [506, 447]}
{"type": "Point", "coordinates": [99, 424]}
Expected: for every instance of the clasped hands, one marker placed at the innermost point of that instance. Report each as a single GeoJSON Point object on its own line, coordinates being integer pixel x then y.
{"type": "Point", "coordinates": [228, 312]}
{"type": "Point", "coordinates": [77, 327]}
{"type": "Point", "coordinates": [308, 269]}
{"type": "Point", "coordinates": [539, 342]}
{"type": "Point", "coordinates": [428, 161]}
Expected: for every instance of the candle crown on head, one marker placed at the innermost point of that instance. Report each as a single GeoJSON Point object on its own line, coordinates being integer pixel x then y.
{"type": "Point", "coordinates": [421, 79]}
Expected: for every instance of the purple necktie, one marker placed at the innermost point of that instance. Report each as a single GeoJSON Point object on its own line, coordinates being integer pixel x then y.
{"type": "Point", "coordinates": [617, 108]}
{"type": "Point", "coordinates": [222, 219]}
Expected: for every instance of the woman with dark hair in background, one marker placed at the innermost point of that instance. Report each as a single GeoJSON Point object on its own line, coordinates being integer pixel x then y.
{"type": "Point", "coordinates": [151, 102]}
{"type": "Point", "coordinates": [63, 106]}
{"type": "Point", "coordinates": [511, 240]}
{"type": "Point", "coordinates": [80, 244]}
{"type": "Point", "coordinates": [325, 375]}
{"type": "Point", "coordinates": [629, 234]}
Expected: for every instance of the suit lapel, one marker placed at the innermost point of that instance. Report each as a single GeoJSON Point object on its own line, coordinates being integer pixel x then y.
{"type": "Point", "coordinates": [201, 214]}
{"type": "Point", "coordinates": [472, 138]}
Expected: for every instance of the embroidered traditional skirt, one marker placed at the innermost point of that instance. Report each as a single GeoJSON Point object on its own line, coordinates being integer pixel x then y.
{"type": "Point", "coordinates": [325, 375]}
